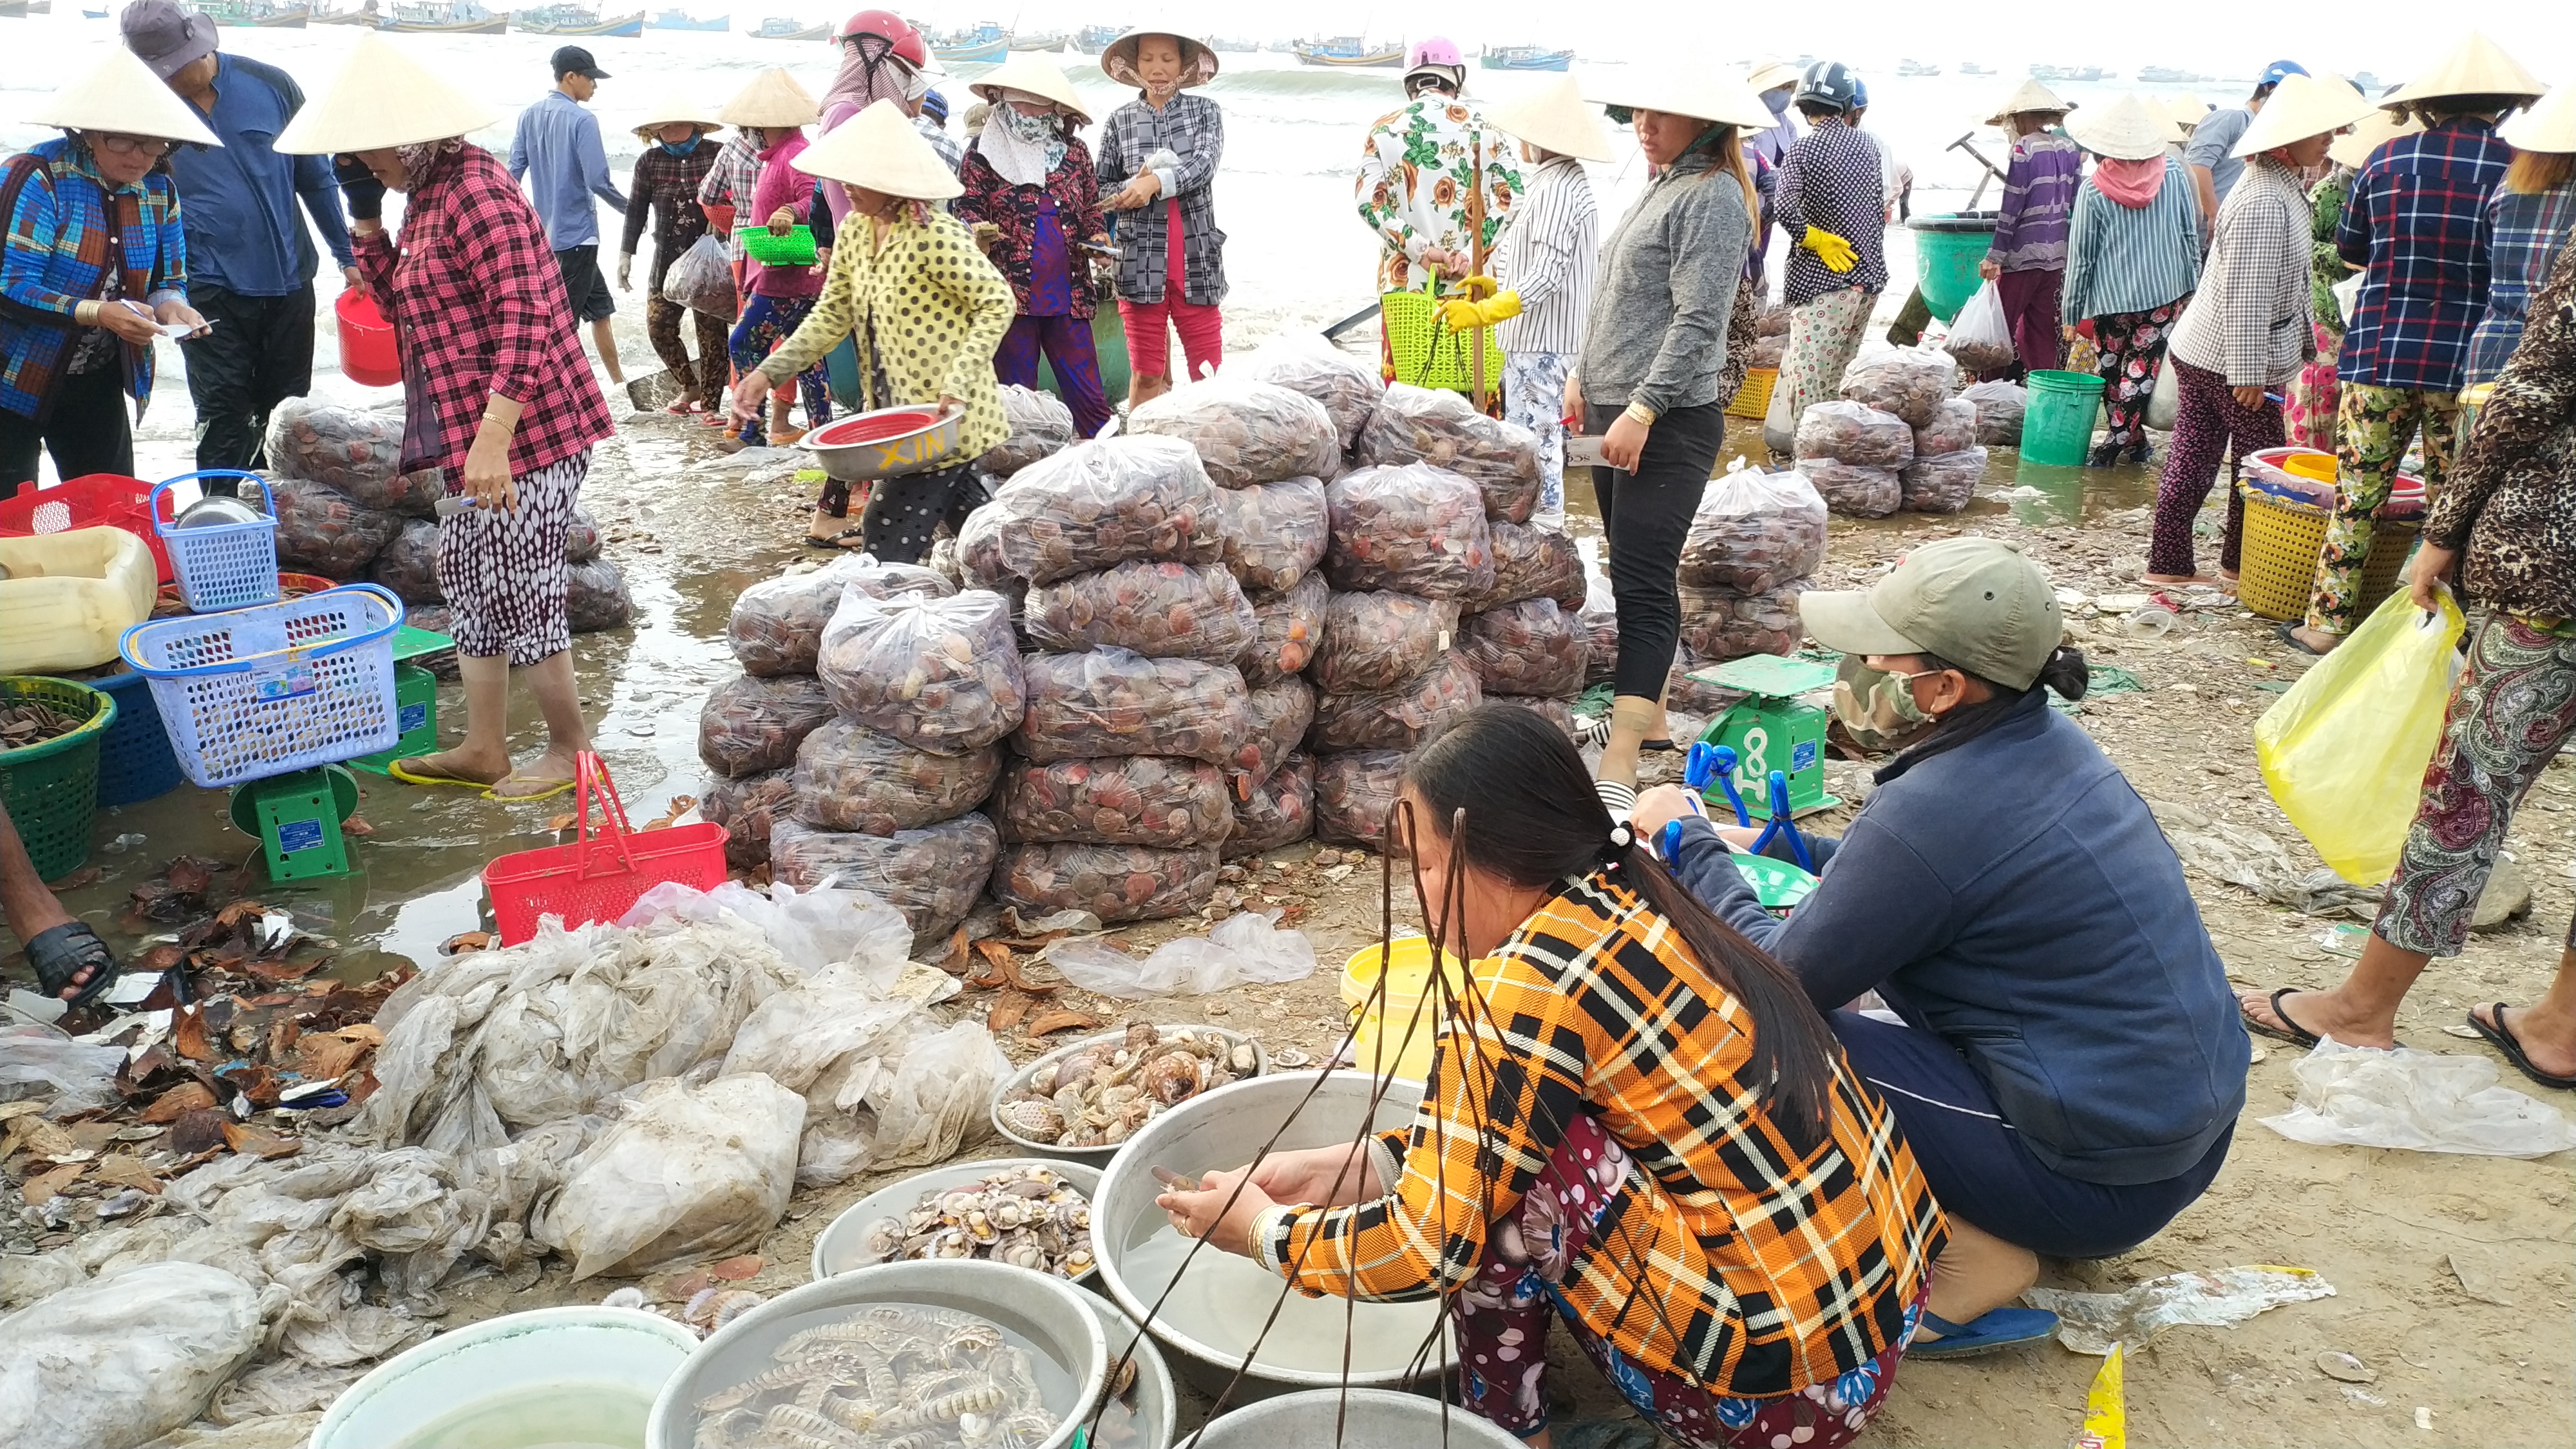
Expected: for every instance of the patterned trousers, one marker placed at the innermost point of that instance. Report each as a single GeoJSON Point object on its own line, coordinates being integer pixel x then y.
{"type": "Point", "coordinates": [2512, 710]}
{"type": "Point", "coordinates": [2210, 426]}
{"type": "Point", "coordinates": [1534, 397]}
{"type": "Point", "coordinates": [1823, 336]}
{"type": "Point", "coordinates": [766, 322]}
{"type": "Point", "coordinates": [504, 573]}
{"type": "Point", "coordinates": [2313, 394]}
{"type": "Point", "coordinates": [2133, 347]}
{"type": "Point", "coordinates": [2374, 424]}
{"type": "Point", "coordinates": [1502, 1318]}
{"type": "Point", "coordinates": [713, 368]}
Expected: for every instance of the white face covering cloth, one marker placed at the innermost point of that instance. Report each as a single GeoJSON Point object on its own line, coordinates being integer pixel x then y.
{"type": "Point", "coordinates": [1023, 149]}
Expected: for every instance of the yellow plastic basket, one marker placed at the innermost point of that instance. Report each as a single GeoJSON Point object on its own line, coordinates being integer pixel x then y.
{"type": "Point", "coordinates": [2278, 570]}
{"type": "Point", "coordinates": [1754, 398]}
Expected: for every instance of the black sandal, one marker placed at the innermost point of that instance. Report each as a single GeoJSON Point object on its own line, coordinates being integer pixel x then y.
{"type": "Point", "coordinates": [2288, 1031]}
{"type": "Point", "coordinates": [838, 540]}
{"type": "Point", "coordinates": [60, 953]}
{"type": "Point", "coordinates": [2501, 1037]}
{"type": "Point", "coordinates": [2289, 634]}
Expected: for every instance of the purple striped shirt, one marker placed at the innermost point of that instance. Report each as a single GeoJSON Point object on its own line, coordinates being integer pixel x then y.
{"type": "Point", "coordinates": [2038, 202]}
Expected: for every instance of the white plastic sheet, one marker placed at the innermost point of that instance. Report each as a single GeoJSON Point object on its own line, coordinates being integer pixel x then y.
{"type": "Point", "coordinates": [1244, 948]}
{"type": "Point", "coordinates": [941, 1098]}
{"type": "Point", "coordinates": [37, 1060]}
{"type": "Point", "coordinates": [688, 1172]}
{"type": "Point", "coordinates": [811, 930]}
{"type": "Point", "coordinates": [2219, 1298]}
{"type": "Point", "coordinates": [2419, 1101]}
{"type": "Point", "coordinates": [112, 1363]}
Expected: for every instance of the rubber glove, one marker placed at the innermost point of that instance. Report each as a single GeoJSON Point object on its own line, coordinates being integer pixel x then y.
{"type": "Point", "coordinates": [1836, 253]}
{"type": "Point", "coordinates": [1459, 315]}
{"type": "Point", "coordinates": [1475, 289]}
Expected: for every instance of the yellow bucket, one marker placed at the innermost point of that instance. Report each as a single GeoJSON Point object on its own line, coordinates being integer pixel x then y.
{"type": "Point", "coordinates": [2315, 467]}
{"type": "Point", "coordinates": [1397, 1035]}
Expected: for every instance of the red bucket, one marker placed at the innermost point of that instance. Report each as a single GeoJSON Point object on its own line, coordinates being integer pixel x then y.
{"type": "Point", "coordinates": [366, 342]}
{"type": "Point", "coordinates": [603, 874]}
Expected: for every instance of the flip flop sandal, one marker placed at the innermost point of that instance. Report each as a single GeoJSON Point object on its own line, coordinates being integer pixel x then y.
{"type": "Point", "coordinates": [841, 539]}
{"type": "Point", "coordinates": [59, 953]}
{"type": "Point", "coordinates": [1987, 1333]}
{"type": "Point", "coordinates": [1657, 747]}
{"type": "Point", "coordinates": [553, 788]}
{"type": "Point", "coordinates": [2497, 1035]}
{"type": "Point", "coordinates": [2288, 634]}
{"type": "Point", "coordinates": [2288, 1031]}
{"type": "Point", "coordinates": [400, 771]}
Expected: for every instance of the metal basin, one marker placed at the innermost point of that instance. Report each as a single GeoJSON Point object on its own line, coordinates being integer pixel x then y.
{"type": "Point", "coordinates": [1051, 1316]}
{"type": "Point", "coordinates": [1222, 1129]}
{"type": "Point", "coordinates": [1099, 1156]}
{"type": "Point", "coordinates": [886, 443]}
{"type": "Point", "coordinates": [1374, 1419]}
{"type": "Point", "coordinates": [552, 1373]}
{"type": "Point", "coordinates": [837, 1250]}
{"type": "Point", "coordinates": [1155, 1401]}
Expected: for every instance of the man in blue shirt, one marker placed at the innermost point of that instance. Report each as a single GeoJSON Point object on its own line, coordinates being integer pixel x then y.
{"type": "Point", "coordinates": [250, 259]}
{"type": "Point", "coordinates": [559, 142]}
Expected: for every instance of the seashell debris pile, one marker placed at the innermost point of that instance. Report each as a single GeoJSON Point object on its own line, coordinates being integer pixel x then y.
{"type": "Point", "coordinates": [1028, 1217]}
{"type": "Point", "coordinates": [895, 1374]}
{"type": "Point", "coordinates": [1100, 1095]}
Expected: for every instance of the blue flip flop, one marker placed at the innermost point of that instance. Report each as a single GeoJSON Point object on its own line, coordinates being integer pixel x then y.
{"type": "Point", "coordinates": [1989, 1332]}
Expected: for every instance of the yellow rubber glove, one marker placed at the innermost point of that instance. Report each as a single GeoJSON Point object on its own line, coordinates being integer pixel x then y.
{"type": "Point", "coordinates": [1459, 315]}
{"type": "Point", "coordinates": [1836, 253]}
{"type": "Point", "coordinates": [1475, 289]}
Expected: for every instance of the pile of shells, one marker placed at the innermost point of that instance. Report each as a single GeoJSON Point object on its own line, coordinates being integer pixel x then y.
{"type": "Point", "coordinates": [1095, 1094]}
{"type": "Point", "coordinates": [891, 1375]}
{"type": "Point", "coordinates": [1028, 1217]}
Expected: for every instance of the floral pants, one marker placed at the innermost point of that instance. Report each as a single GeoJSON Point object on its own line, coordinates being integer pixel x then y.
{"type": "Point", "coordinates": [2210, 426]}
{"type": "Point", "coordinates": [766, 322]}
{"type": "Point", "coordinates": [2374, 424]}
{"type": "Point", "coordinates": [2313, 394]}
{"type": "Point", "coordinates": [2513, 708]}
{"type": "Point", "coordinates": [1534, 397]}
{"type": "Point", "coordinates": [662, 318]}
{"type": "Point", "coordinates": [2133, 347]}
{"type": "Point", "coordinates": [1824, 334]}
{"type": "Point", "coordinates": [1503, 1314]}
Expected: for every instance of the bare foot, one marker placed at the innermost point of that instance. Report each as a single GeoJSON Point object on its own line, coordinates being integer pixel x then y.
{"type": "Point", "coordinates": [2322, 1013]}
{"type": "Point", "coordinates": [458, 764]}
{"type": "Point", "coordinates": [2317, 640]}
{"type": "Point", "coordinates": [2549, 1047]}
{"type": "Point", "coordinates": [2206, 581]}
{"type": "Point", "coordinates": [547, 774]}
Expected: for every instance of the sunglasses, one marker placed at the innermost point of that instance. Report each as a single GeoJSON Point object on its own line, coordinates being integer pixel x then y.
{"type": "Point", "coordinates": [146, 146]}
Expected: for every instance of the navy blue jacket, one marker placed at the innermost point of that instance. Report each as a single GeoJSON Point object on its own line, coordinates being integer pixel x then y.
{"type": "Point", "coordinates": [238, 201]}
{"type": "Point", "coordinates": [2014, 896]}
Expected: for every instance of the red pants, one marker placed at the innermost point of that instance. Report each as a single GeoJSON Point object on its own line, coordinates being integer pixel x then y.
{"type": "Point", "coordinates": [2030, 308]}
{"type": "Point", "coordinates": [1202, 329]}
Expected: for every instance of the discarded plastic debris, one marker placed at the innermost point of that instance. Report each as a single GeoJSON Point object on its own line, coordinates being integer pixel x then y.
{"type": "Point", "coordinates": [2334, 1363]}
{"type": "Point", "coordinates": [2419, 1101]}
{"type": "Point", "coordinates": [1248, 947]}
{"type": "Point", "coordinates": [2097, 1323]}
{"type": "Point", "coordinates": [2106, 1407]}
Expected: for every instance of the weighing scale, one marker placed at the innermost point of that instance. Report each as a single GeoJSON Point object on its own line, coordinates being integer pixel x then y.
{"type": "Point", "coordinates": [297, 815]}
{"type": "Point", "coordinates": [1771, 730]}
{"type": "Point", "coordinates": [415, 700]}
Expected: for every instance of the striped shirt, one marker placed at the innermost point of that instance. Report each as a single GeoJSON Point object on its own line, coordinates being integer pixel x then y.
{"type": "Point", "coordinates": [1726, 1256]}
{"type": "Point", "coordinates": [2132, 258]}
{"type": "Point", "coordinates": [2412, 224]}
{"type": "Point", "coordinates": [2522, 233]}
{"type": "Point", "coordinates": [1546, 255]}
{"type": "Point", "coordinates": [2249, 322]}
{"type": "Point", "coordinates": [1832, 180]}
{"type": "Point", "coordinates": [2038, 199]}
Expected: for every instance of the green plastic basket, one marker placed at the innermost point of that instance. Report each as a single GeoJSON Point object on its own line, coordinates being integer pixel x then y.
{"type": "Point", "coordinates": [771, 249]}
{"type": "Point", "coordinates": [2057, 426]}
{"type": "Point", "coordinates": [51, 788]}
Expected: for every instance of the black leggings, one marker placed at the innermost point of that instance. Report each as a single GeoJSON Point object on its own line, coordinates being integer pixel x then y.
{"type": "Point", "coordinates": [1645, 515]}
{"type": "Point", "coordinates": [904, 514]}
{"type": "Point", "coordinates": [86, 432]}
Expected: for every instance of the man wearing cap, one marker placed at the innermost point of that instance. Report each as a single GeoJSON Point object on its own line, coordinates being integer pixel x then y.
{"type": "Point", "coordinates": [250, 260]}
{"type": "Point", "coordinates": [559, 142]}
{"type": "Point", "coordinates": [2210, 153]}
{"type": "Point", "coordinates": [1436, 183]}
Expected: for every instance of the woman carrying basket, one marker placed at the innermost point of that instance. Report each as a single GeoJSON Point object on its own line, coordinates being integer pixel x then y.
{"type": "Point", "coordinates": [495, 391]}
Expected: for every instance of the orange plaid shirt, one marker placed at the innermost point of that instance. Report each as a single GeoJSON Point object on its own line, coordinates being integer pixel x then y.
{"type": "Point", "coordinates": [1725, 1258]}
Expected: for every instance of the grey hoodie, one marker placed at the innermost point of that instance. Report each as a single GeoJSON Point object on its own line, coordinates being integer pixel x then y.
{"type": "Point", "coordinates": [1664, 290]}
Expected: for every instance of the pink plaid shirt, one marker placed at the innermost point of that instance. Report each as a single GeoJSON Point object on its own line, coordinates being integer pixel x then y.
{"type": "Point", "coordinates": [478, 307]}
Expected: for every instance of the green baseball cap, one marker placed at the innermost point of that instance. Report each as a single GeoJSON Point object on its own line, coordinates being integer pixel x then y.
{"type": "Point", "coordinates": [1975, 602]}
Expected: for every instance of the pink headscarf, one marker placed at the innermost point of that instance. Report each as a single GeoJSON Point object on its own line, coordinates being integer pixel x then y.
{"type": "Point", "coordinates": [870, 72]}
{"type": "Point", "coordinates": [2131, 183]}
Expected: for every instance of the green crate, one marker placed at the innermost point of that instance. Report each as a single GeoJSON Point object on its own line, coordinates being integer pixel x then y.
{"type": "Point", "coordinates": [297, 819]}
{"type": "Point", "coordinates": [415, 714]}
{"type": "Point", "coordinates": [52, 788]}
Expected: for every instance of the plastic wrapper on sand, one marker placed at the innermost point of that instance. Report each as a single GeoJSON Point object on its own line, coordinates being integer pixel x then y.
{"type": "Point", "coordinates": [323, 531]}
{"type": "Point", "coordinates": [1532, 647]}
{"type": "Point", "coordinates": [746, 808]}
{"type": "Point", "coordinates": [1275, 533]}
{"type": "Point", "coordinates": [1532, 561]}
{"type": "Point", "coordinates": [1114, 882]}
{"type": "Point", "coordinates": [1414, 529]}
{"type": "Point", "coordinates": [1855, 492]}
{"type": "Point", "coordinates": [1158, 800]}
{"type": "Point", "coordinates": [1292, 625]}
{"type": "Point", "coordinates": [1245, 948]}
{"type": "Point", "coordinates": [1911, 382]}
{"type": "Point", "coordinates": [1281, 715]}
{"type": "Point", "coordinates": [409, 564]}
{"type": "Point", "coordinates": [687, 1173]}
{"type": "Point", "coordinates": [1427, 425]}
{"type": "Point", "coordinates": [355, 452]}
{"type": "Point", "coordinates": [1165, 610]}
{"type": "Point", "coordinates": [1040, 427]}
{"type": "Point", "coordinates": [1348, 388]}
{"type": "Point", "coordinates": [595, 597]}
{"type": "Point", "coordinates": [1402, 718]}
{"type": "Point", "coordinates": [1353, 793]}
{"type": "Point", "coordinates": [129, 1358]}
{"type": "Point", "coordinates": [1093, 505]}
{"type": "Point", "coordinates": [1719, 624]}
{"type": "Point", "coordinates": [1108, 702]}
{"type": "Point", "coordinates": [932, 875]}
{"type": "Point", "coordinates": [1953, 427]}
{"type": "Point", "coordinates": [1279, 811]}
{"type": "Point", "coordinates": [750, 725]}
{"type": "Point", "coordinates": [1999, 407]}
{"type": "Point", "coordinates": [938, 674]}
{"type": "Point", "coordinates": [1246, 432]}
{"type": "Point", "coordinates": [849, 777]}
{"type": "Point", "coordinates": [777, 624]}
{"type": "Point", "coordinates": [1754, 530]}
{"type": "Point", "coordinates": [1855, 433]}
{"type": "Point", "coordinates": [1944, 482]}
{"type": "Point", "coordinates": [1377, 640]}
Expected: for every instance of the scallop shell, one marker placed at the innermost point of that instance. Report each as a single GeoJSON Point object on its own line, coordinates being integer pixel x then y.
{"type": "Point", "coordinates": [1034, 1118]}
{"type": "Point", "coordinates": [713, 1308]}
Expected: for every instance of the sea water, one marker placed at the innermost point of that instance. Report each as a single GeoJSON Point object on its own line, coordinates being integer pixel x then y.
{"type": "Point", "coordinates": [546, 1416]}
{"type": "Point", "coordinates": [1222, 1298]}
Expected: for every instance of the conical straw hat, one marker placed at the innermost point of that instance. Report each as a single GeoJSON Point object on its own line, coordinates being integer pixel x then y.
{"type": "Point", "coordinates": [2128, 129]}
{"type": "Point", "coordinates": [2186, 112]}
{"type": "Point", "coordinates": [2300, 107]}
{"type": "Point", "coordinates": [879, 149]}
{"type": "Point", "coordinates": [1555, 119]}
{"type": "Point", "coordinates": [2369, 134]}
{"type": "Point", "coordinates": [2476, 66]}
{"type": "Point", "coordinates": [772, 101]}
{"type": "Point", "coordinates": [2030, 95]}
{"type": "Point", "coordinates": [1198, 63]}
{"type": "Point", "coordinates": [1032, 73]}
{"type": "Point", "coordinates": [121, 96]}
{"type": "Point", "coordinates": [676, 105]}
{"type": "Point", "coordinates": [381, 97]}
{"type": "Point", "coordinates": [2547, 126]}
{"type": "Point", "coordinates": [1685, 88]}
{"type": "Point", "coordinates": [1770, 73]}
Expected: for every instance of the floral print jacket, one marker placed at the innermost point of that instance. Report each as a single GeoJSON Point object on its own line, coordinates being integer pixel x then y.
{"type": "Point", "coordinates": [1418, 174]}
{"type": "Point", "coordinates": [1014, 209]}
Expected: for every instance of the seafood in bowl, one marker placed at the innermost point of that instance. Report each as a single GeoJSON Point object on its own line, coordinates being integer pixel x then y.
{"type": "Point", "coordinates": [1087, 1098]}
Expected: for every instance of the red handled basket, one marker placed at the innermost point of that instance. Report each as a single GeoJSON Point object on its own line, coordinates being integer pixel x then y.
{"type": "Point", "coordinates": [599, 877]}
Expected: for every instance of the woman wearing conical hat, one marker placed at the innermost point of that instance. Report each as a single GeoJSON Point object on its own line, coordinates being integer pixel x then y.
{"type": "Point", "coordinates": [2132, 259]}
{"type": "Point", "coordinates": [2027, 259]}
{"type": "Point", "coordinates": [925, 308]}
{"type": "Point", "coordinates": [664, 192]}
{"type": "Point", "coordinates": [1033, 203]}
{"type": "Point", "coordinates": [75, 329]}
{"type": "Point", "coordinates": [496, 394]}
{"type": "Point", "coordinates": [774, 111]}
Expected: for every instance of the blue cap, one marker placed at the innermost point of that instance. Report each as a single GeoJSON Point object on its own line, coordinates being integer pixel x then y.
{"type": "Point", "coordinates": [1860, 94]}
{"type": "Point", "coordinates": [935, 106]}
{"type": "Point", "coordinates": [2272, 73]}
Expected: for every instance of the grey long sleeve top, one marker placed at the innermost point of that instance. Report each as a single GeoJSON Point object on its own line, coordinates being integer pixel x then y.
{"type": "Point", "coordinates": [1665, 286]}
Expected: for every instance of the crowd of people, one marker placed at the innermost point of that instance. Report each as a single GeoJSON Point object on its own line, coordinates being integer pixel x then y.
{"type": "Point", "coordinates": [1751, 1163]}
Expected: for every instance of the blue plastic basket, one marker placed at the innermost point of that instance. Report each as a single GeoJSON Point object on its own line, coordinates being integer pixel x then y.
{"type": "Point", "coordinates": [222, 565]}
{"type": "Point", "coordinates": [275, 687]}
{"type": "Point", "coordinates": [134, 759]}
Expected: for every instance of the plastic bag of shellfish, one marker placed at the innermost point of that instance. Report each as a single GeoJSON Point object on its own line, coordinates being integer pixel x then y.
{"type": "Point", "coordinates": [1353, 793]}
{"type": "Point", "coordinates": [749, 725]}
{"type": "Point", "coordinates": [1557, 712]}
{"type": "Point", "coordinates": [1532, 647]}
{"type": "Point", "coordinates": [1402, 718]}
{"type": "Point", "coordinates": [1377, 639]}
{"type": "Point", "coordinates": [1281, 715]}
{"type": "Point", "coordinates": [941, 1098]}
{"type": "Point", "coordinates": [932, 874]}
{"type": "Point", "coordinates": [1348, 388]}
{"type": "Point", "coordinates": [1040, 426]}
{"type": "Point", "coordinates": [1093, 505]}
{"type": "Point", "coordinates": [1852, 490]}
{"type": "Point", "coordinates": [1292, 625]}
{"type": "Point", "coordinates": [850, 777]}
{"type": "Point", "coordinates": [1245, 948]}
{"type": "Point", "coordinates": [1953, 427]}
{"type": "Point", "coordinates": [746, 807]}
{"type": "Point", "coordinates": [1428, 425]}
{"type": "Point", "coordinates": [596, 597]}
{"type": "Point", "coordinates": [1274, 532]}
{"type": "Point", "coordinates": [1159, 800]}
{"type": "Point", "coordinates": [1599, 620]}
{"type": "Point", "coordinates": [409, 564]}
{"type": "Point", "coordinates": [1943, 482]}
{"type": "Point", "coordinates": [353, 450]}
{"type": "Point", "coordinates": [323, 531]}
{"type": "Point", "coordinates": [939, 674]}
{"type": "Point", "coordinates": [1415, 529]}
{"type": "Point", "coordinates": [581, 537]}
{"type": "Point", "coordinates": [1117, 702]}
{"type": "Point", "coordinates": [1855, 433]}
{"type": "Point", "coordinates": [1114, 882]}
{"type": "Point", "coordinates": [776, 626]}
{"type": "Point", "coordinates": [688, 1172]}
{"type": "Point", "coordinates": [1532, 561]}
{"type": "Point", "coordinates": [1721, 624]}
{"type": "Point", "coordinates": [1999, 406]}
{"type": "Point", "coordinates": [1754, 530]}
{"type": "Point", "coordinates": [1279, 811]}
{"type": "Point", "coordinates": [1911, 382]}
{"type": "Point", "coordinates": [1247, 432]}
{"type": "Point", "coordinates": [1165, 610]}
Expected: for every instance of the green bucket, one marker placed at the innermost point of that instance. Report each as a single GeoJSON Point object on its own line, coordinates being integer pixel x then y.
{"type": "Point", "coordinates": [2057, 425]}
{"type": "Point", "coordinates": [1947, 249]}
{"type": "Point", "coordinates": [52, 788]}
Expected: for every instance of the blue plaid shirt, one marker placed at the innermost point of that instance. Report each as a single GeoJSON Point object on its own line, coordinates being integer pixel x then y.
{"type": "Point", "coordinates": [64, 228]}
{"type": "Point", "coordinates": [2523, 233]}
{"type": "Point", "coordinates": [2414, 223]}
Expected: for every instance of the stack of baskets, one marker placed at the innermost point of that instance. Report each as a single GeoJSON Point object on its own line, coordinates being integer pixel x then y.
{"type": "Point", "coordinates": [2289, 497]}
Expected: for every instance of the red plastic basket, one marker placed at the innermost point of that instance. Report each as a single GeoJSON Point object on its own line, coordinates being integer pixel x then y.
{"type": "Point", "coordinates": [93, 500]}
{"type": "Point", "coordinates": [599, 877]}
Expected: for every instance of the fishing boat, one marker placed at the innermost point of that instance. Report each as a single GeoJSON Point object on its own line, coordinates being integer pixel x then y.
{"type": "Point", "coordinates": [1349, 52]}
{"type": "Point", "coordinates": [1916, 68]}
{"type": "Point", "coordinates": [985, 43]}
{"type": "Point", "coordinates": [454, 17]}
{"type": "Point", "coordinates": [2053, 73]}
{"type": "Point", "coordinates": [576, 20]}
{"type": "Point", "coordinates": [253, 14]}
{"type": "Point", "coordinates": [1051, 40]}
{"type": "Point", "coordinates": [364, 15]}
{"type": "Point", "coordinates": [682, 20]}
{"type": "Point", "coordinates": [780, 28]}
{"type": "Point", "coordinates": [1524, 57]}
{"type": "Point", "coordinates": [99, 14]}
{"type": "Point", "coordinates": [2169, 75]}
{"type": "Point", "coordinates": [1970, 67]}
{"type": "Point", "coordinates": [1093, 39]}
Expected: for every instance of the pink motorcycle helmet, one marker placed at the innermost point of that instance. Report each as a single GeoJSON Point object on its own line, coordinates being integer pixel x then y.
{"type": "Point", "coordinates": [1437, 57]}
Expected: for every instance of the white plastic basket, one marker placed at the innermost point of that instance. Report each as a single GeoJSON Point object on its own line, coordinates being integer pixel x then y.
{"type": "Point", "coordinates": [274, 688]}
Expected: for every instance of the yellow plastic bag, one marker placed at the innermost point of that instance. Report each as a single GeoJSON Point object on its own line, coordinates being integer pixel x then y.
{"type": "Point", "coordinates": [2106, 1409]}
{"type": "Point", "coordinates": [2344, 751]}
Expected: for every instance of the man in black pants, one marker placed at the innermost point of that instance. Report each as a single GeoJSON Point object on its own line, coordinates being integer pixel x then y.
{"type": "Point", "coordinates": [250, 260]}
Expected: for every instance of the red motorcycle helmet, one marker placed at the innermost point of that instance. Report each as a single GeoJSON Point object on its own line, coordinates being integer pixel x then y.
{"type": "Point", "coordinates": [906, 41]}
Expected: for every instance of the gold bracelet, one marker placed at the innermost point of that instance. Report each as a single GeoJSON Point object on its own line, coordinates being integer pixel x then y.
{"type": "Point", "coordinates": [1640, 414]}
